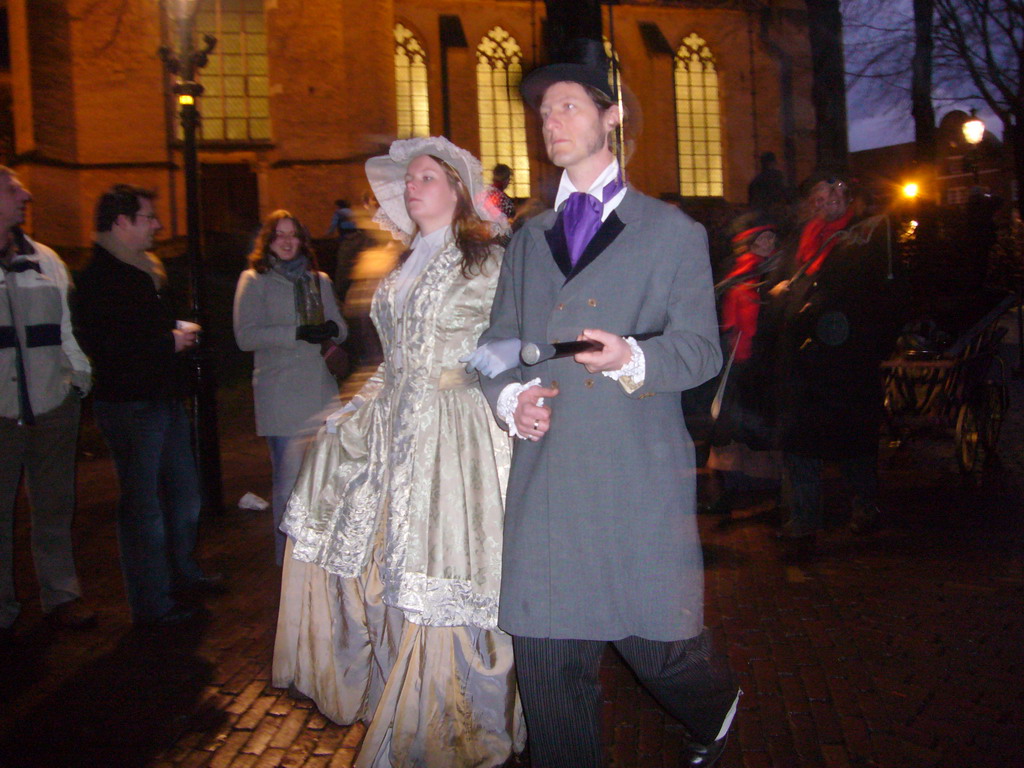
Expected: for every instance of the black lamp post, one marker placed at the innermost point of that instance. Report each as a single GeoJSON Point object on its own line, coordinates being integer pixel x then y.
{"type": "Point", "coordinates": [974, 131]}
{"type": "Point", "coordinates": [185, 65]}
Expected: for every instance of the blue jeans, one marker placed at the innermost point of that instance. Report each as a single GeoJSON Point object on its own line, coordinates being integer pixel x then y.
{"type": "Point", "coordinates": [805, 483]}
{"type": "Point", "coordinates": [286, 455]}
{"type": "Point", "coordinates": [158, 512]}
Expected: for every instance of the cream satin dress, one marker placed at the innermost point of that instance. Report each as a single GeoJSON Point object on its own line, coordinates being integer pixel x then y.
{"type": "Point", "coordinates": [389, 600]}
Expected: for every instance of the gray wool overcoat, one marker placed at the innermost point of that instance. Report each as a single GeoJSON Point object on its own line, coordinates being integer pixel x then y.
{"type": "Point", "coordinates": [600, 535]}
{"type": "Point", "coordinates": [292, 388]}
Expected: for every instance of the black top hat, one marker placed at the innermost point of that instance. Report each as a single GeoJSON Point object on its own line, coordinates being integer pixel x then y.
{"type": "Point", "coordinates": [587, 65]}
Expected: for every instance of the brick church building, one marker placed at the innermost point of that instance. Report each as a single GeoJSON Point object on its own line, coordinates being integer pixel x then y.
{"type": "Point", "coordinates": [298, 93]}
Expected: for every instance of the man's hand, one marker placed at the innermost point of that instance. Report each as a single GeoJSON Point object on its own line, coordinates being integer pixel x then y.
{"type": "Point", "coordinates": [614, 356]}
{"type": "Point", "coordinates": [184, 340]}
{"type": "Point", "coordinates": [533, 418]}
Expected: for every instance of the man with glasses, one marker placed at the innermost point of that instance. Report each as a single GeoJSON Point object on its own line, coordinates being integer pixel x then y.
{"type": "Point", "coordinates": [835, 318]}
{"type": "Point", "coordinates": [127, 327]}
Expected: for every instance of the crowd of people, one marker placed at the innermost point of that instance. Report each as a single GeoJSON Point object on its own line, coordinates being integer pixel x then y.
{"type": "Point", "coordinates": [806, 321]}
{"type": "Point", "coordinates": [462, 539]}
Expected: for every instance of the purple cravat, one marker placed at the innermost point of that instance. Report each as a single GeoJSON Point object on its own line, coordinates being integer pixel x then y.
{"type": "Point", "coordinates": [581, 217]}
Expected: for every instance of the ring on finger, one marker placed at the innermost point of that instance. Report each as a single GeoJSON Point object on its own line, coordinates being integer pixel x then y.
{"type": "Point", "coordinates": [536, 424]}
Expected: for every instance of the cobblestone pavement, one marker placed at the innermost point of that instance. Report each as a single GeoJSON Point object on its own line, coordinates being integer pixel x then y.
{"type": "Point", "coordinates": [900, 649]}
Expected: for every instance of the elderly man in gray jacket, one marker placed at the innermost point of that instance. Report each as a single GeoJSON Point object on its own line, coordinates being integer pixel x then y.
{"type": "Point", "coordinates": [601, 542]}
{"type": "Point", "coordinates": [43, 375]}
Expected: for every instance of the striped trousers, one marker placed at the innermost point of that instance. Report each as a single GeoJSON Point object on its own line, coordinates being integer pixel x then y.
{"type": "Point", "coordinates": [561, 692]}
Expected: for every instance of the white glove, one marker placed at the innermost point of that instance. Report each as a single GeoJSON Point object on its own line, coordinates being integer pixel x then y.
{"type": "Point", "coordinates": [494, 357]}
{"type": "Point", "coordinates": [334, 420]}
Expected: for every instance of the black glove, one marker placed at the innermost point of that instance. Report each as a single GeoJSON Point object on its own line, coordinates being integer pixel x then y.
{"type": "Point", "coordinates": [330, 329]}
{"type": "Point", "coordinates": [316, 334]}
{"type": "Point", "coordinates": [308, 333]}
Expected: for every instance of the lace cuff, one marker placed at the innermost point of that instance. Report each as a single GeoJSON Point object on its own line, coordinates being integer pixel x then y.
{"type": "Point", "coordinates": [631, 375]}
{"type": "Point", "coordinates": [507, 402]}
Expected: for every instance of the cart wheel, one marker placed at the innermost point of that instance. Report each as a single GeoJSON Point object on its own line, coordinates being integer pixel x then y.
{"type": "Point", "coordinates": [968, 438]}
{"type": "Point", "coordinates": [994, 402]}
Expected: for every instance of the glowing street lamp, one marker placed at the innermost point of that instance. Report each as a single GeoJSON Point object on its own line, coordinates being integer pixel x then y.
{"type": "Point", "coordinates": [974, 132]}
{"type": "Point", "coordinates": [185, 64]}
{"type": "Point", "coordinates": [911, 189]}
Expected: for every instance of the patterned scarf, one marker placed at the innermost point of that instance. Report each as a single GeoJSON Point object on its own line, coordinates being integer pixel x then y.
{"type": "Point", "coordinates": [309, 305]}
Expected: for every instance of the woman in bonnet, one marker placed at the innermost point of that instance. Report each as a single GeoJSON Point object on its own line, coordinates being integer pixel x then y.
{"type": "Point", "coordinates": [389, 598]}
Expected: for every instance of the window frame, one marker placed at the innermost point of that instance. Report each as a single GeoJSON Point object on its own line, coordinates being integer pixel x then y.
{"type": "Point", "coordinates": [698, 133]}
{"type": "Point", "coordinates": [499, 52]}
{"type": "Point", "coordinates": [414, 128]}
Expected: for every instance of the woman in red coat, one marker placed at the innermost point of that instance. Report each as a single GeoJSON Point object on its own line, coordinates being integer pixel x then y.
{"type": "Point", "coordinates": [742, 435]}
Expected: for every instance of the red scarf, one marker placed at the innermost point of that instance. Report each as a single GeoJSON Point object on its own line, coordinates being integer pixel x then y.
{"type": "Point", "coordinates": [741, 305]}
{"type": "Point", "coordinates": [745, 264]}
{"type": "Point", "coordinates": [816, 241]}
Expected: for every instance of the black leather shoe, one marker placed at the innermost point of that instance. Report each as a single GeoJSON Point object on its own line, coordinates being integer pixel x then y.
{"type": "Point", "coordinates": [295, 693]}
{"type": "Point", "coordinates": [213, 584]}
{"type": "Point", "coordinates": [703, 756]}
{"type": "Point", "coordinates": [74, 614]}
{"type": "Point", "coordinates": [179, 614]}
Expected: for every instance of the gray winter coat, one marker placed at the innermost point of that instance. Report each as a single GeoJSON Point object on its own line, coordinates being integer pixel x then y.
{"type": "Point", "coordinates": [292, 387]}
{"type": "Point", "coordinates": [600, 535]}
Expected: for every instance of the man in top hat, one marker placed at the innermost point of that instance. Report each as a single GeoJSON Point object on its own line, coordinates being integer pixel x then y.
{"type": "Point", "coordinates": [601, 541]}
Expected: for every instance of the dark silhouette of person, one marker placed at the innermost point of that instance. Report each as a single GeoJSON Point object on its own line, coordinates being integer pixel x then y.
{"type": "Point", "coordinates": [501, 176]}
{"type": "Point", "coordinates": [769, 188]}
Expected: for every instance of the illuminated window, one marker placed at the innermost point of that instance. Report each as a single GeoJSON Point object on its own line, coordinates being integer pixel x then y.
{"type": "Point", "coordinates": [698, 125]}
{"type": "Point", "coordinates": [411, 85]}
{"type": "Point", "coordinates": [235, 104]}
{"type": "Point", "coordinates": [502, 121]}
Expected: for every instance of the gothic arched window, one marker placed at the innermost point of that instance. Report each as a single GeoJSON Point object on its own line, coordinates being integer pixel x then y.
{"type": "Point", "coordinates": [698, 125]}
{"type": "Point", "coordinates": [235, 104]}
{"type": "Point", "coordinates": [411, 85]}
{"type": "Point", "coordinates": [499, 70]}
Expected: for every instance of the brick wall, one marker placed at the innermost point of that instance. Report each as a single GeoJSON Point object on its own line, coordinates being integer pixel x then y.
{"type": "Point", "coordinates": [91, 106]}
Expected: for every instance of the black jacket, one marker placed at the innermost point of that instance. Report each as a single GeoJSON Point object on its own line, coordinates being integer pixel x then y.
{"type": "Point", "coordinates": [833, 329]}
{"type": "Point", "coordinates": [124, 324]}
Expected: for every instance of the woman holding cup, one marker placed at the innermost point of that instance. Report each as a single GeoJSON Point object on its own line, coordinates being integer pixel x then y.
{"type": "Point", "coordinates": [284, 312]}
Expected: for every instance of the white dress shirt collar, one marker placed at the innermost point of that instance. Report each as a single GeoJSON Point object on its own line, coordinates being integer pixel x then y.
{"type": "Point", "coordinates": [566, 188]}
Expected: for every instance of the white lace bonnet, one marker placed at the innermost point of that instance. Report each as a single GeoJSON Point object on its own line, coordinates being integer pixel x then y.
{"type": "Point", "coordinates": [386, 174]}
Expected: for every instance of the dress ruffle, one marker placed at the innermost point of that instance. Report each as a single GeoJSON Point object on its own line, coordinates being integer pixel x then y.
{"type": "Point", "coordinates": [422, 691]}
